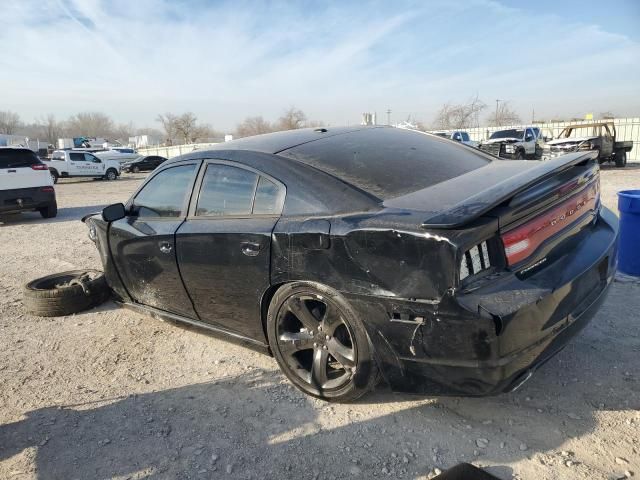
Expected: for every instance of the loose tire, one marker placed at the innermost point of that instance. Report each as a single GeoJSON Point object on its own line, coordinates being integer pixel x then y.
{"type": "Point", "coordinates": [50, 211]}
{"type": "Point", "coordinates": [111, 174]}
{"type": "Point", "coordinates": [621, 158]}
{"type": "Point", "coordinates": [54, 176]}
{"type": "Point", "coordinates": [320, 343]}
{"type": "Point", "coordinates": [65, 293]}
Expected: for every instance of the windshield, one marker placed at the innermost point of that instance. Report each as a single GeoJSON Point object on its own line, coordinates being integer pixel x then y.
{"type": "Point", "coordinates": [513, 133]}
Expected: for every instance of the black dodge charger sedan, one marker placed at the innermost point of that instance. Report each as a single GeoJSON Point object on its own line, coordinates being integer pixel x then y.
{"type": "Point", "coordinates": [352, 252]}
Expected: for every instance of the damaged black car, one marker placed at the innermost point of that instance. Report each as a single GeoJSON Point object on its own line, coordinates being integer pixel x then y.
{"type": "Point", "coordinates": [358, 254]}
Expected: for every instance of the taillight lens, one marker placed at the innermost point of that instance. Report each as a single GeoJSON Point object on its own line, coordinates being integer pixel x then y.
{"type": "Point", "coordinates": [522, 241]}
{"type": "Point", "coordinates": [47, 189]}
{"type": "Point", "coordinates": [39, 166]}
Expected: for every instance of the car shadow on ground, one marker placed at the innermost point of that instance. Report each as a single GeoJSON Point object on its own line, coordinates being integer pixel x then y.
{"type": "Point", "coordinates": [67, 214]}
{"type": "Point", "coordinates": [256, 425]}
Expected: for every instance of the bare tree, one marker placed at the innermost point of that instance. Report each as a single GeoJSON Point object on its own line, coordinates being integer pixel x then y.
{"type": "Point", "coordinates": [503, 116]}
{"type": "Point", "coordinates": [169, 125]}
{"type": "Point", "coordinates": [253, 126]}
{"type": "Point", "coordinates": [9, 122]}
{"type": "Point", "coordinates": [463, 115]}
{"type": "Point", "coordinates": [50, 128]}
{"type": "Point", "coordinates": [186, 127]}
{"type": "Point", "coordinates": [90, 124]}
{"type": "Point", "coordinates": [291, 119]}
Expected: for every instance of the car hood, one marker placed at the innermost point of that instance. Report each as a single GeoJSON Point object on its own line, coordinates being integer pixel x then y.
{"type": "Point", "coordinates": [559, 141]}
{"type": "Point", "coordinates": [502, 140]}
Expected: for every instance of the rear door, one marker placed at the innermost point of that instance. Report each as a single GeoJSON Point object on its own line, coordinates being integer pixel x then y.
{"type": "Point", "coordinates": [21, 168]}
{"type": "Point", "coordinates": [224, 246]}
{"type": "Point", "coordinates": [143, 243]}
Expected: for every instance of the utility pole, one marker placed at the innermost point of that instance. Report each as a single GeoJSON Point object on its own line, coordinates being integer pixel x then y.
{"type": "Point", "coordinates": [388, 116]}
{"type": "Point", "coordinates": [533, 115]}
{"type": "Point", "coordinates": [497, 102]}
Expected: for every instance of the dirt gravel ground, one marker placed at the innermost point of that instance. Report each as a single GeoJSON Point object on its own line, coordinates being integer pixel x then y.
{"type": "Point", "coordinates": [114, 394]}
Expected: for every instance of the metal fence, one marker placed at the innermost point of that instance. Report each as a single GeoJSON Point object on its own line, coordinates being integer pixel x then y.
{"type": "Point", "coordinates": [175, 150]}
{"type": "Point", "coordinates": [626, 129]}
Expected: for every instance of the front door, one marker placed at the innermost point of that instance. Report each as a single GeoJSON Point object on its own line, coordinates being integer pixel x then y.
{"type": "Point", "coordinates": [143, 243]}
{"type": "Point", "coordinates": [224, 246]}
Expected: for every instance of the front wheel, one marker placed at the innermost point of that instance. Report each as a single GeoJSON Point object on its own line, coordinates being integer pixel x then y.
{"type": "Point", "coordinates": [111, 174]}
{"type": "Point", "coordinates": [319, 342]}
{"type": "Point", "coordinates": [621, 158]}
{"type": "Point", "coordinates": [520, 155]}
{"type": "Point", "coordinates": [135, 169]}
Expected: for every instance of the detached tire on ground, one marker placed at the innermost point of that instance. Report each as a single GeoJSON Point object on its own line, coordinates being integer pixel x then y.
{"type": "Point", "coordinates": [65, 293]}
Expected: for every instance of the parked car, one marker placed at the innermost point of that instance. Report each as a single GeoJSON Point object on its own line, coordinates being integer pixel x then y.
{"type": "Point", "coordinates": [69, 164]}
{"type": "Point", "coordinates": [599, 137]}
{"type": "Point", "coordinates": [457, 136]}
{"type": "Point", "coordinates": [348, 251]}
{"type": "Point", "coordinates": [143, 164]}
{"type": "Point", "coordinates": [25, 183]}
{"type": "Point", "coordinates": [120, 154]}
{"type": "Point", "coordinates": [515, 143]}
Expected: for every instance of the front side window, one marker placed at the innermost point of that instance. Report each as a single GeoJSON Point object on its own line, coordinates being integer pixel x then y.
{"type": "Point", "coordinates": [465, 136]}
{"type": "Point", "coordinates": [226, 190]}
{"type": "Point", "coordinates": [90, 158]}
{"type": "Point", "coordinates": [165, 194]}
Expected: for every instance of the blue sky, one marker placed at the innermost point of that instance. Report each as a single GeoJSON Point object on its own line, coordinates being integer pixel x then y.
{"type": "Point", "coordinates": [334, 60]}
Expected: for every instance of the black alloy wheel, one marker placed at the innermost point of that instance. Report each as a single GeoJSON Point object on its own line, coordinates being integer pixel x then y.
{"type": "Point", "coordinates": [319, 343]}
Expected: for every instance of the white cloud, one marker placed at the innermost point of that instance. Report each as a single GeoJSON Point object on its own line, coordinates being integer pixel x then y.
{"type": "Point", "coordinates": [134, 60]}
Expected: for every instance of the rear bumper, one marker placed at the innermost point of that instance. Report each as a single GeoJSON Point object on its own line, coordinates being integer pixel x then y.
{"type": "Point", "coordinates": [492, 339]}
{"type": "Point", "coordinates": [22, 199]}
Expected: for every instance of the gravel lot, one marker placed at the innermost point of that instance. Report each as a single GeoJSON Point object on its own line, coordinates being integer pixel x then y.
{"type": "Point", "coordinates": [114, 394]}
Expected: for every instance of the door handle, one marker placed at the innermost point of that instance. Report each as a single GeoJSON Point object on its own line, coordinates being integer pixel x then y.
{"type": "Point", "coordinates": [165, 247]}
{"type": "Point", "coordinates": [11, 171]}
{"type": "Point", "coordinates": [250, 249]}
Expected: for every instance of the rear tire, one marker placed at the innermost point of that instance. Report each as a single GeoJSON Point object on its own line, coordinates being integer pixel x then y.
{"type": "Point", "coordinates": [50, 211]}
{"type": "Point", "coordinates": [621, 158]}
{"type": "Point", "coordinates": [54, 176]}
{"type": "Point", "coordinates": [111, 174]}
{"type": "Point", "coordinates": [65, 293]}
{"type": "Point", "coordinates": [320, 343]}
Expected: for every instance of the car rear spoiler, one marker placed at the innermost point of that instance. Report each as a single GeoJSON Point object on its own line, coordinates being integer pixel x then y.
{"type": "Point", "coordinates": [476, 205]}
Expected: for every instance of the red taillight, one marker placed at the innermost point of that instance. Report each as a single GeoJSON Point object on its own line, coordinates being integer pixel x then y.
{"type": "Point", "coordinates": [522, 241]}
{"type": "Point", "coordinates": [47, 189]}
{"type": "Point", "coordinates": [39, 166]}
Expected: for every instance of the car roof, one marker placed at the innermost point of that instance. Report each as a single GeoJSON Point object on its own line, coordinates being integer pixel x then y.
{"type": "Point", "coordinates": [384, 162]}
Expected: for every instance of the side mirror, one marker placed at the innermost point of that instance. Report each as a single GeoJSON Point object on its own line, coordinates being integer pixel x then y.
{"type": "Point", "coordinates": [113, 212]}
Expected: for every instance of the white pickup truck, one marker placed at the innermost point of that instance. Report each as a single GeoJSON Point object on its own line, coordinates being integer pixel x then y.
{"type": "Point", "coordinates": [69, 163]}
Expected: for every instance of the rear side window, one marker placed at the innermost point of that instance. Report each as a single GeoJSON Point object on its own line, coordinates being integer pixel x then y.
{"type": "Point", "coordinates": [13, 158]}
{"type": "Point", "coordinates": [165, 194]}
{"type": "Point", "coordinates": [226, 190]}
{"type": "Point", "coordinates": [76, 157]}
{"type": "Point", "coordinates": [268, 199]}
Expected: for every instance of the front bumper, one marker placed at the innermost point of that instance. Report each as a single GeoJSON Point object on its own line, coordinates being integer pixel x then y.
{"type": "Point", "coordinates": [492, 339]}
{"type": "Point", "coordinates": [23, 199]}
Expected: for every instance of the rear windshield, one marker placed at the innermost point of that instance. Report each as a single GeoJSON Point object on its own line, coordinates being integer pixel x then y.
{"type": "Point", "coordinates": [12, 158]}
{"type": "Point", "coordinates": [389, 162]}
{"type": "Point", "coordinates": [515, 133]}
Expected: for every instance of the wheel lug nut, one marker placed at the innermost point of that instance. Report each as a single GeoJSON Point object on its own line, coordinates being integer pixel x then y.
{"type": "Point", "coordinates": [328, 337]}
{"type": "Point", "coordinates": [324, 347]}
{"type": "Point", "coordinates": [315, 344]}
